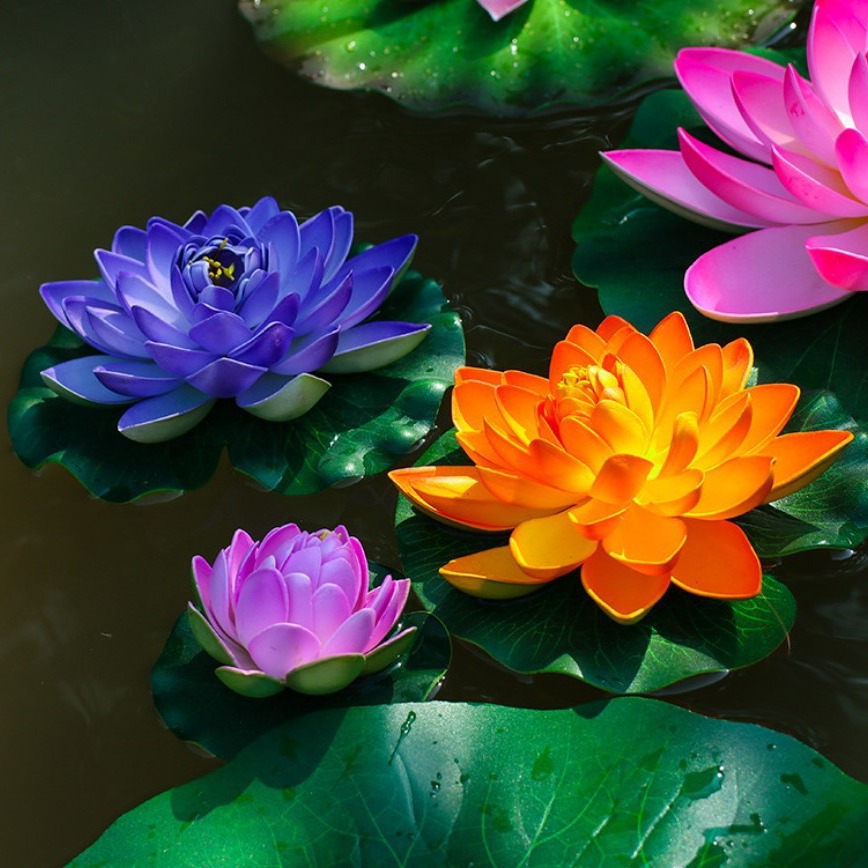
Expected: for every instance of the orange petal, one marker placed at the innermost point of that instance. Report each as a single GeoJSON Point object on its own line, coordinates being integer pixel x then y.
{"type": "Point", "coordinates": [802, 457]}
{"type": "Point", "coordinates": [478, 449]}
{"type": "Point", "coordinates": [622, 593]}
{"type": "Point", "coordinates": [734, 487]}
{"type": "Point", "coordinates": [646, 542]}
{"type": "Point", "coordinates": [472, 402]}
{"type": "Point", "coordinates": [483, 375]}
{"type": "Point", "coordinates": [611, 325]}
{"type": "Point", "coordinates": [520, 410]}
{"type": "Point", "coordinates": [693, 395]}
{"type": "Point", "coordinates": [521, 491]}
{"type": "Point", "coordinates": [718, 561]}
{"type": "Point", "coordinates": [737, 364]}
{"type": "Point", "coordinates": [639, 354]}
{"type": "Point", "coordinates": [588, 340]}
{"type": "Point", "coordinates": [455, 495]}
{"type": "Point", "coordinates": [584, 443]}
{"type": "Point", "coordinates": [709, 357]}
{"type": "Point", "coordinates": [530, 382]}
{"type": "Point", "coordinates": [565, 356]}
{"type": "Point", "coordinates": [772, 404]}
{"type": "Point", "coordinates": [621, 478]}
{"type": "Point", "coordinates": [492, 574]}
{"type": "Point", "coordinates": [723, 434]}
{"type": "Point", "coordinates": [683, 446]}
{"type": "Point", "coordinates": [555, 467]}
{"type": "Point", "coordinates": [673, 495]}
{"type": "Point", "coordinates": [596, 518]}
{"type": "Point", "coordinates": [620, 427]}
{"type": "Point", "coordinates": [549, 547]}
{"type": "Point", "coordinates": [513, 454]}
{"type": "Point", "coordinates": [672, 338]}
{"type": "Point", "coordinates": [637, 397]}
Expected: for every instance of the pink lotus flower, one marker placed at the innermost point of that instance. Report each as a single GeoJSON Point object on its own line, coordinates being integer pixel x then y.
{"type": "Point", "coordinates": [498, 8]}
{"type": "Point", "coordinates": [802, 182]}
{"type": "Point", "coordinates": [295, 610]}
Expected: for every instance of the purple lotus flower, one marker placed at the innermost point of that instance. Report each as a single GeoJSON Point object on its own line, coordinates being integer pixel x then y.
{"type": "Point", "coordinates": [498, 8]}
{"type": "Point", "coordinates": [242, 304]}
{"type": "Point", "coordinates": [295, 610]}
{"type": "Point", "coordinates": [803, 182]}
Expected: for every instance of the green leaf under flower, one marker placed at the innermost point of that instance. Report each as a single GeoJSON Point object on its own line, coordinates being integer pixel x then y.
{"type": "Point", "coordinates": [560, 629]}
{"type": "Point", "coordinates": [198, 708]}
{"type": "Point", "coordinates": [449, 54]}
{"type": "Point", "coordinates": [823, 354]}
{"type": "Point", "coordinates": [451, 783]}
{"type": "Point", "coordinates": [360, 428]}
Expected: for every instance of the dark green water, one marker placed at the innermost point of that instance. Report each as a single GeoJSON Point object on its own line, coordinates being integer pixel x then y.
{"type": "Point", "coordinates": [115, 111]}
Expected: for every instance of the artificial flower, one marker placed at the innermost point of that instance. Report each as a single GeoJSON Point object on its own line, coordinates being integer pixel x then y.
{"type": "Point", "coordinates": [498, 8]}
{"type": "Point", "coordinates": [799, 176]}
{"type": "Point", "coordinates": [628, 461]}
{"type": "Point", "coordinates": [295, 610]}
{"type": "Point", "coordinates": [243, 304]}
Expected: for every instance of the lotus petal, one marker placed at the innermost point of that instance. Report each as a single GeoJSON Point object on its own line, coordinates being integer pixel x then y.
{"type": "Point", "coordinates": [249, 683]}
{"type": "Point", "coordinates": [492, 575]}
{"type": "Point", "coordinates": [374, 345]}
{"type": "Point", "coordinates": [278, 399]}
{"type": "Point", "coordinates": [623, 594]}
{"type": "Point", "coordinates": [327, 675]}
{"type": "Point", "coordinates": [225, 377]}
{"type": "Point", "coordinates": [165, 416]}
{"type": "Point", "coordinates": [135, 379]}
{"type": "Point", "coordinates": [498, 8]}
{"type": "Point", "coordinates": [841, 259]}
{"type": "Point", "coordinates": [75, 380]}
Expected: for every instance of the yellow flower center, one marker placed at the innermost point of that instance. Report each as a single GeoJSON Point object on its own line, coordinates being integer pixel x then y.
{"type": "Point", "coordinates": [583, 387]}
{"type": "Point", "coordinates": [219, 271]}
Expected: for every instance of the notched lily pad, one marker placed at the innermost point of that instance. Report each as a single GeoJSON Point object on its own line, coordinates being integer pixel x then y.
{"type": "Point", "coordinates": [560, 629]}
{"type": "Point", "coordinates": [458, 784]}
{"type": "Point", "coordinates": [823, 354]}
{"type": "Point", "coordinates": [360, 428]}
{"type": "Point", "coordinates": [449, 54]}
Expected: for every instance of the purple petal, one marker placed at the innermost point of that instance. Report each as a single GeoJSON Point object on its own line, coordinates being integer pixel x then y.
{"type": "Point", "coordinates": [164, 245]}
{"type": "Point", "coordinates": [179, 361]}
{"type": "Point", "coordinates": [221, 332]}
{"type": "Point", "coordinates": [166, 416]}
{"type": "Point", "coordinates": [131, 241]}
{"type": "Point", "coordinates": [285, 311]}
{"type": "Point", "coordinates": [238, 553]}
{"type": "Point", "coordinates": [279, 399]}
{"type": "Point", "coordinates": [300, 592]}
{"type": "Point", "coordinates": [393, 605]}
{"type": "Point", "coordinates": [320, 311]}
{"type": "Point", "coordinates": [330, 609]}
{"type": "Point", "coordinates": [279, 649]}
{"type": "Point", "coordinates": [341, 244]}
{"type": "Point", "coordinates": [374, 345]}
{"type": "Point", "coordinates": [181, 297]}
{"type": "Point", "coordinates": [307, 560]}
{"type": "Point", "coordinates": [157, 330]}
{"type": "Point", "coordinates": [55, 295]}
{"type": "Point", "coordinates": [266, 347]}
{"type": "Point", "coordinates": [280, 235]}
{"type": "Point", "coordinates": [350, 580]}
{"type": "Point", "coordinates": [260, 300]}
{"type": "Point", "coordinates": [305, 280]}
{"type": "Point", "coordinates": [842, 259]}
{"type": "Point", "coordinates": [75, 381]}
{"type": "Point", "coordinates": [279, 541]}
{"type": "Point", "coordinates": [195, 224]}
{"type": "Point", "coordinates": [318, 232]}
{"type": "Point", "coordinates": [663, 177]}
{"type": "Point", "coordinates": [498, 8]}
{"type": "Point", "coordinates": [263, 601]}
{"type": "Point", "coordinates": [224, 218]}
{"type": "Point", "coordinates": [112, 264]}
{"type": "Point", "coordinates": [106, 328]}
{"type": "Point", "coordinates": [761, 277]}
{"type": "Point", "coordinates": [308, 353]}
{"type": "Point", "coordinates": [261, 213]}
{"type": "Point", "coordinates": [201, 577]}
{"type": "Point", "coordinates": [134, 378]}
{"type": "Point", "coordinates": [353, 636]}
{"type": "Point", "coordinates": [134, 291]}
{"type": "Point", "coordinates": [225, 378]}
{"type": "Point", "coordinates": [217, 297]}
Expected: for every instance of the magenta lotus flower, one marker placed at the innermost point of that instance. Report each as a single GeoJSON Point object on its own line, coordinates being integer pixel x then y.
{"type": "Point", "coordinates": [498, 8]}
{"type": "Point", "coordinates": [243, 303]}
{"type": "Point", "coordinates": [801, 182]}
{"type": "Point", "coordinates": [295, 610]}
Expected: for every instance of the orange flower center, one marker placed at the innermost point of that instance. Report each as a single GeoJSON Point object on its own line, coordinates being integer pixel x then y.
{"type": "Point", "coordinates": [582, 387]}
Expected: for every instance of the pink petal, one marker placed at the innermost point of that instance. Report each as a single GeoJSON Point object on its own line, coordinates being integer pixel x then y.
{"type": "Point", "coordinates": [815, 185]}
{"type": "Point", "coordinates": [263, 601]}
{"type": "Point", "coordinates": [857, 92]}
{"type": "Point", "coordinates": [220, 607]}
{"type": "Point", "coordinates": [279, 649]}
{"type": "Point", "coordinates": [277, 543]}
{"type": "Point", "coordinates": [300, 590]}
{"type": "Point", "coordinates": [387, 615]}
{"type": "Point", "coordinates": [745, 185]}
{"type": "Point", "coordinates": [760, 100]}
{"type": "Point", "coordinates": [201, 576]}
{"type": "Point", "coordinates": [761, 277]}
{"type": "Point", "coordinates": [831, 51]}
{"type": "Point", "coordinates": [852, 148]}
{"type": "Point", "coordinates": [307, 560]}
{"type": "Point", "coordinates": [339, 571]}
{"type": "Point", "coordinates": [498, 8]}
{"type": "Point", "coordinates": [353, 636]}
{"type": "Point", "coordinates": [331, 608]}
{"type": "Point", "coordinates": [815, 125]}
{"type": "Point", "coordinates": [663, 177]}
{"type": "Point", "coordinates": [842, 260]}
{"type": "Point", "coordinates": [705, 74]}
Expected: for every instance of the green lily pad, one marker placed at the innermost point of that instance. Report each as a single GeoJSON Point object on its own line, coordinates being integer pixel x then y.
{"type": "Point", "coordinates": [823, 354]}
{"type": "Point", "coordinates": [632, 780]}
{"type": "Point", "coordinates": [360, 428]}
{"type": "Point", "coordinates": [198, 708]}
{"type": "Point", "coordinates": [560, 629]}
{"type": "Point", "coordinates": [449, 54]}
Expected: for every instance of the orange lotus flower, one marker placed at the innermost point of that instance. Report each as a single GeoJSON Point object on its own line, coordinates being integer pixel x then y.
{"type": "Point", "coordinates": [627, 461]}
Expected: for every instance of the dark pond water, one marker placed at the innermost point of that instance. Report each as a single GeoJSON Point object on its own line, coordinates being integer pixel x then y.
{"type": "Point", "coordinates": [115, 111]}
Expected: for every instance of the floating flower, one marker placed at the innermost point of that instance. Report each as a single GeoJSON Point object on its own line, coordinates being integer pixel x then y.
{"type": "Point", "coordinates": [294, 610]}
{"type": "Point", "coordinates": [629, 461]}
{"type": "Point", "coordinates": [498, 8]}
{"type": "Point", "coordinates": [803, 181]}
{"type": "Point", "coordinates": [242, 304]}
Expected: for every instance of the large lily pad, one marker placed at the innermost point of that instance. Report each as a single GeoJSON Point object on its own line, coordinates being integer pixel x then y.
{"type": "Point", "coordinates": [449, 54]}
{"type": "Point", "coordinates": [198, 708]}
{"type": "Point", "coordinates": [632, 780]}
{"type": "Point", "coordinates": [823, 354]}
{"type": "Point", "coordinates": [360, 428]}
{"type": "Point", "coordinates": [560, 629]}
